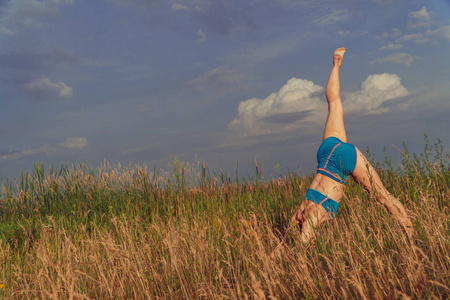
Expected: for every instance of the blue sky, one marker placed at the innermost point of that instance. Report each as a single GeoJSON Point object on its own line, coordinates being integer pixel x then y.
{"type": "Point", "coordinates": [146, 81]}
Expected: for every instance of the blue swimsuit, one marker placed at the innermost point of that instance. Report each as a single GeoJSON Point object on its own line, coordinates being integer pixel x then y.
{"type": "Point", "coordinates": [336, 160]}
{"type": "Point", "coordinates": [317, 197]}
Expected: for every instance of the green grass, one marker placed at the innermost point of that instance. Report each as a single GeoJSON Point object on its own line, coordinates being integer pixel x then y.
{"type": "Point", "coordinates": [132, 232]}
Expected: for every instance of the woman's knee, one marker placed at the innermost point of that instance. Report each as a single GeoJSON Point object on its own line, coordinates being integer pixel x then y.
{"type": "Point", "coordinates": [296, 219]}
{"type": "Point", "coordinates": [308, 215]}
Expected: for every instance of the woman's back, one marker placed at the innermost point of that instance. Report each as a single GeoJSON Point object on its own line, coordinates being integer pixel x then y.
{"type": "Point", "coordinates": [328, 187]}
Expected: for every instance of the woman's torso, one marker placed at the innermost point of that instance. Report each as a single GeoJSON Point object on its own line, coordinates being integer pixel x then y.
{"type": "Point", "coordinates": [336, 160]}
{"type": "Point", "coordinates": [328, 187]}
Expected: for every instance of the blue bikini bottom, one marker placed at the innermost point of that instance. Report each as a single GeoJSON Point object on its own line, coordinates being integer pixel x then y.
{"type": "Point", "coordinates": [330, 205]}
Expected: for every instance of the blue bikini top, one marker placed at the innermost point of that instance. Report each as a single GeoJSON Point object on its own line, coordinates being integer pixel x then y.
{"type": "Point", "coordinates": [336, 159]}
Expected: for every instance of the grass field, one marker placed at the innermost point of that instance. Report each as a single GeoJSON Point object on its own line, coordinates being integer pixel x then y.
{"type": "Point", "coordinates": [125, 232]}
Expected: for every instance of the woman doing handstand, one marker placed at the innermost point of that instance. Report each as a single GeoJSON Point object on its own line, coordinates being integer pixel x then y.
{"type": "Point", "coordinates": [336, 160]}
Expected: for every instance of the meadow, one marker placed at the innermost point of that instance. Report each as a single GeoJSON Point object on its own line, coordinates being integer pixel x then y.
{"type": "Point", "coordinates": [130, 232]}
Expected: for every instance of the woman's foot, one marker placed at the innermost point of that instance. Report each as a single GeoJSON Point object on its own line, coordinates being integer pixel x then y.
{"type": "Point", "coordinates": [338, 56]}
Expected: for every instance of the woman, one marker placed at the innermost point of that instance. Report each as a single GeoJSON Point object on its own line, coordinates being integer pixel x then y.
{"type": "Point", "coordinates": [336, 160]}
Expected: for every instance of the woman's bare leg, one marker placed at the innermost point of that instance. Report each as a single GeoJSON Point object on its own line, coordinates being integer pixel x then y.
{"type": "Point", "coordinates": [366, 175]}
{"type": "Point", "coordinates": [335, 119]}
{"type": "Point", "coordinates": [308, 217]}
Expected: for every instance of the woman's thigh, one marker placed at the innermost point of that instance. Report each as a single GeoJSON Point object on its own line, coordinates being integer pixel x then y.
{"type": "Point", "coordinates": [335, 122]}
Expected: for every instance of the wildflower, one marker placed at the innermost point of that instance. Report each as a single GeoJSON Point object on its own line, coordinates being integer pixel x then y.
{"type": "Point", "coordinates": [1, 286]}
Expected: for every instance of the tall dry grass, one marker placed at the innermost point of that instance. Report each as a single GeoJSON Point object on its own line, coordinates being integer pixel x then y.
{"type": "Point", "coordinates": [127, 232]}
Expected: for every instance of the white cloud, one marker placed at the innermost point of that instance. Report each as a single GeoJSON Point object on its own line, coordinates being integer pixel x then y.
{"type": "Point", "coordinates": [297, 104]}
{"type": "Point", "coordinates": [61, 1]}
{"type": "Point", "coordinates": [395, 33]}
{"type": "Point", "coordinates": [343, 33]}
{"type": "Point", "coordinates": [201, 36]}
{"type": "Point", "coordinates": [19, 15]}
{"type": "Point", "coordinates": [217, 78]}
{"type": "Point", "coordinates": [408, 37]}
{"type": "Point", "coordinates": [4, 30]}
{"type": "Point", "coordinates": [334, 16]}
{"type": "Point", "coordinates": [375, 90]}
{"type": "Point", "coordinates": [42, 88]}
{"type": "Point", "coordinates": [385, 2]}
{"type": "Point", "coordinates": [77, 143]}
{"type": "Point", "coordinates": [442, 32]}
{"type": "Point", "coordinates": [282, 111]}
{"type": "Point", "coordinates": [420, 19]}
{"type": "Point", "coordinates": [178, 6]}
{"type": "Point", "coordinates": [14, 155]}
{"type": "Point", "coordinates": [272, 49]}
{"type": "Point", "coordinates": [398, 58]}
{"type": "Point", "coordinates": [150, 4]}
{"type": "Point", "coordinates": [427, 36]}
{"type": "Point", "coordinates": [391, 46]}
{"type": "Point", "coordinates": [71, 143]}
